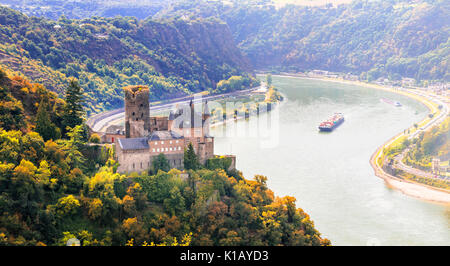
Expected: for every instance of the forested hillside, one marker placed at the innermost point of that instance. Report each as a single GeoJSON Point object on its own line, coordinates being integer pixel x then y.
{"type": "Point", "coordinates": [174, 57]}
{"type": "Point", "coordinates": [55, 186]}
{"type": "Point", "coordinates": [389, 38]}
{"type": "Point", "coordinates": [381, 38]}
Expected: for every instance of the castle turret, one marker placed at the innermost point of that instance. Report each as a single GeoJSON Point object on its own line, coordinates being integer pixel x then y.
{"type": "Point", "coordinates": [206, 113]}
{"type": "Point", "coordinates": [137, 112]}
{"type": "Point", "coordinates": [206, 119]}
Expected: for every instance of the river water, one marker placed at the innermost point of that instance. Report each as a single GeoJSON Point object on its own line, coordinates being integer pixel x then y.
{"type": "Point", "coordinates": [329, 173]}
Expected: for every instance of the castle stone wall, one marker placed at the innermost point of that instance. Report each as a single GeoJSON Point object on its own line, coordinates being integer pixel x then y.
{"type": "Point", "coordinates": [132, 160]}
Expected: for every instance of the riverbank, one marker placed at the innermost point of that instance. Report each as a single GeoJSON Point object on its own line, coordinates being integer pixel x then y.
{"type": "Point", "coordinates": [408, 187]}
{"type": "Point", "coordinates": [277, 104]}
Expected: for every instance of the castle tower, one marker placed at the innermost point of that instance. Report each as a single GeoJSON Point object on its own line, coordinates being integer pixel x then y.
{"type": "Point", "coordinates": [137, 112]}
{"type": "Point", "coordinates": [206, 115]}
{"type": "Point", "coordinates": [194, 123]}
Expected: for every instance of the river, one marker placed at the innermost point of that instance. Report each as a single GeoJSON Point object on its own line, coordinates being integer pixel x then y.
{"type": "Point", "coordinates": [329, 173]}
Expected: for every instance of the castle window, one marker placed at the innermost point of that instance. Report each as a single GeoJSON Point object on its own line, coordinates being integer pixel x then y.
{"type": "Point", "coordinates": [157, 150]}
{"type": "Point", "coordinates": [133, 165]}
{"type": "Point", "coordinates": [142, 115]}
{"type": "Point", "coordinates": [170, 149]}
{"type": "Point", "coordinates": [167, 149]}
{"type": "Point", "coordinates": [141, 164]}
{"type": "Point", "coordinates": [137, 119]}
{"type": "Point", "coordinates": [179, 148]}
{"type": "Point", "coordinates": [170, 142]}
{"type": "Point", "coordinates": [142, 105]}
{"type": "Point", "coordinates": [156, 143]}
{"type": "Point", "coordinates": [132, 114]}
{"type": "Point", "coordinates": [153, 150]}
{"type": "Point", "coordinates": [176, 141]}
{"type": "Point", "coordinates": [162, 142]}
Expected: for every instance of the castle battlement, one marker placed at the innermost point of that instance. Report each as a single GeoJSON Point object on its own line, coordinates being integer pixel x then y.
{"type": "Point", "coordinates": [137, 111]}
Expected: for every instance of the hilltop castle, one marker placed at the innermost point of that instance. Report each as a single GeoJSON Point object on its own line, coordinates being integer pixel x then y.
{"type": "Point", "coordinates": [146, 137]}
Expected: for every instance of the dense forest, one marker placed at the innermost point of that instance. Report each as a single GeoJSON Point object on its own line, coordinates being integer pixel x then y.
{"type": "Point", "coordinates": [382, 38]}
{"type": "Point", "coordinates": [389, 38]}
{"type": "Point", "coordinates": [373, 39]}
{"type": "Point", "coordinates": [174, 58]}
{"type": "Point", "coordinates": [57, 184]}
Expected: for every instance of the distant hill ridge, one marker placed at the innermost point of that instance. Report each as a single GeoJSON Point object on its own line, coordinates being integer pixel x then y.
{"type": "Point", "coordinates": [373, 39]}
{"type": "Point", "coordinates": [388, 38]}
{"type": "Point", "coordinates": [174, 57]}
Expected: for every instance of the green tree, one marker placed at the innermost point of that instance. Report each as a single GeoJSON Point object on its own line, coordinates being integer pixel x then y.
{"type": "Point", "coordinates": [67, 206]}
{"type": "Point", "coordinates": [190, 158]}
{"type": "Point", "coordinates": [73, 145]}
{"type": "Point", "coordinates": [159, 186]}
{"type": "Point", "coordinates": [10, 147]}
{"type": "Point", "coordinates": [25, 189]}
{"type": "Point", "coordinates": [175, 203]}
{"type": "Point", "coordinates": [32, 147]}
{"type": "Point", "coordinates": [160, 163]}
{"type": "Point", "coordinates": [73, 110]}
{"type": "Point", "coordinates": [44, 125]}
{"type": "Point", "coordinates": [95, 138]}
{"type": "Point", "coordinates": [95, 207]}
{"type": "Point", "coordinates": [11, 111]}
{"type": "Point", "coordinates": [43, 173]}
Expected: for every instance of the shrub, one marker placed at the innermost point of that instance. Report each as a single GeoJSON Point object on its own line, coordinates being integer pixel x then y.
{"type": "Point", "coordinates": [95, 138]}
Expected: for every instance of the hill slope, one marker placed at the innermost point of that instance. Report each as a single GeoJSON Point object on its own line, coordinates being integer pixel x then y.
{"type": "Point", "coordinates": [51, 191]}
{"type": "Point", "coordinates": [381, 38]}
{"type": "Point", "coordinates": [390, 38]}
{"type": "Point", "coordinates": [174, 57]}
{"type": "Point", "coordinates": [19, 102]}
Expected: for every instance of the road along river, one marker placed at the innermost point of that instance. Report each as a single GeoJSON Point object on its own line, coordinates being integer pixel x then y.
{"type": "Point", "coordinates": [330, 174]}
